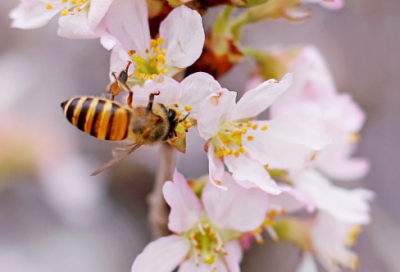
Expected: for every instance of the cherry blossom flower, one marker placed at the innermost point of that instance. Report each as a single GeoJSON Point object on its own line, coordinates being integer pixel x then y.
{"type": "Point", "coordinates": [81, 19]}
{"type": "Point", "coordinates": [179, 45]}
{"type": "Point", "coordinates": [341, 116]}
{"type": "Point", "coordinates": [248, 147]}
{"type": "Point", "coordinates": [323, 238]}
{"type": "Point", "coordinates": [206, 232]}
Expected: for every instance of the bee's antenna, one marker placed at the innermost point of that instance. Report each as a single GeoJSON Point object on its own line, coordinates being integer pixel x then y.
{"type": "Point", "coordinates": [184, 118]}
{"type": "Point", "coordinates": [127, 67]}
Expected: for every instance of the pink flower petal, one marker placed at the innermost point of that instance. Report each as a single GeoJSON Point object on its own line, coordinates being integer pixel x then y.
{"type": "Point", "coordinates": [162, 255]}
{"type": "Point", "coordinates": [32, 14]}
{"type": "Point", "coordinates": [98, 9]}
{"type": "Point", "coordinates": [216, 169]}
{"type": "Point", "coordinates": [244, 168]}
{"type": "Point", "coordinates": [212, 112]}
{"type": "Point", "coordinates": [128, 22]}
{"type": "Point", "coordinates": [195, 89]}
{"type": "Point", "coordinates": [259, 99]}
{"type": "Point", "coordinates": [76, 27]}
{"type": "Point", "coordinates": [234, 256]}
{"type": "Point", "coordinates": [237, 208]}
{"type": "Point", "coordinates": [184, 37]}
{"type": "Point", "coordinates": [185, 206]}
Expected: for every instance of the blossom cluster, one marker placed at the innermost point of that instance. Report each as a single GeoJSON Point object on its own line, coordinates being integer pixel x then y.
{"type": "Point", "coordinates": [261, 172]}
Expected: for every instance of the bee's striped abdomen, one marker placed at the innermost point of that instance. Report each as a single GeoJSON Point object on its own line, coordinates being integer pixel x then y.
{"type": "Point", "coordinates": [100, 118]}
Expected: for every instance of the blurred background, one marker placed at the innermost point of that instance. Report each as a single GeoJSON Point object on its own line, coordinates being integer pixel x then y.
{"type": "Point", "coordinates": [55, 217]}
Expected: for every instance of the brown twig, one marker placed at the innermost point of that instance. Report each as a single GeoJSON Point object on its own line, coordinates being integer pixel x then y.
{"type": "Point", "coordinates": [158, 208]}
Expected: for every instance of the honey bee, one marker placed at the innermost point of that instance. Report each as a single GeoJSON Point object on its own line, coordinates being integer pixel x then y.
{"type": "Point", "coordinates": [108, 120]}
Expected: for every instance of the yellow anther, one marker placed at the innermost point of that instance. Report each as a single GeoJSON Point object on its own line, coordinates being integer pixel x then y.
{"type": "Point", "coordinates": [165, 70]}
{"type": "Point", "coordinates": [231, 151]}
{"type": "Point", "coordinates": [163, 52]}
{"type": "Point", "coordinates": [49, 6]}
{"type": "Point", "coordinates": [226, 153]}
{"type": "Point", "coordinates": [186, 121]}
{"type": "Point", "coordinates": [178, 112]}
{"type": "Point", "coordinates": [188, 125]}
{"type": "Point", "coordinates": [78, 2]}
{"type": "Point", "coordinates": [64, 12]}
{"type": "Point", "coordinates": [160, 41]}
{"type": "Point", "coordinates": [153, 76]}
{"type": "Point", "coordinates": [79, 9]}
{"type": "Point", "coordinates": [272, 214]}
{"type": "Point", "coordinates": [240, 125]}
{"type": "Point", "coordinates": [209, 259]}
{"type": "Point", "coordinates": [242, 150]}
{"type": "Point", "coordinates": [266, 165]}
{"type": "Point", "coordinates": [219, 153]}
{"type": "Point", "coordinates": [147, 51]}
{"type": "Point", "coordinates": [181, 135]}
{"type": "Point", "coordinates": [188, 108]}
{"type": "Point", "coordinates": [160, 58]}
{"type": "Point", "coordinates": [73, 2]}
{"type": "Point", "coordinates": [265, 127]}
{"type": "Point", "coordinates": [131, 53]}
{"type": "Point", "coordinates": [255, 126]}
{"type": "Point", "coordinates": [250, 138]}
{"type": "Point", "coordinates": [153, 43]}
{"type": "Point", "coordinates": [64, 1]}
{"type": "Point", "coordinates": [152, 58]}
{"type": "Point", "coordinates": [156, 49]}
{"type": "Point", "coordinates": [249, 124]}
{"type": "Point", "coordinates": [153, 65]}
{"type": "Point", "coordinates": [237, 154]}
{"type": "Point", "coordinates": [244, 130]}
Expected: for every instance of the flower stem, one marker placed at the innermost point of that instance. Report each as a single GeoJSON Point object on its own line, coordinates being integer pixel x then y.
{"type": "Point", "coordinates": [158, 208]}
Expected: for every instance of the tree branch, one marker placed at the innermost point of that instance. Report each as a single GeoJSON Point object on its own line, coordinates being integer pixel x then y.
{"type": "Point", "coordinates": [158, 208]}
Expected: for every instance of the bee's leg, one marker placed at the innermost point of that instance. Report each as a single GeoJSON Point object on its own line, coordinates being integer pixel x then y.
{"type": "Point", "coordinates": [151, 100]}
{"type": "Point", "coordinates": [129, 99]}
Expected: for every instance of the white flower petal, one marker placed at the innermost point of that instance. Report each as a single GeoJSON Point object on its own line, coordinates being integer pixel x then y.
{"type": "Point", "coordinates": [234, 256]}
{"type": "Point", "coordinates": [108, 41]}
{"type": "Point", "coordinates": [32, 14]}
{"type": "Point", "coordinates": [184, 37]}
{"type": "Point", "coordinates": [213, 111]}
{"type": "Point", "coordinates": [259, 99]}
{"type": "Point", "coordinates": [76, 27]}
{"type": "Point", "coordinates": [98, 9]}
{"type": "Point", "coordinates": [169, 89]}
{"type": "Point", "coordinates": [292, 201]}
{"type": "Point", "coordinates": [185, 206]}
{"type": "Point", "coordinates": [244, 168]}
{"type": "Point", "coordinates": [347, 205]}
{"type": "Point", "coordinates": [286, 144]}
{"type": "Point", "coordinates": [128, 22]}
{"type": "Point", "coordinates": [162, 255]}
{"type": "Point", "coordinates": [237, 208]}
{"type": "Point", "coordinates": [307, 263]}
{"type": "Point", "coordinates": [195, 89]}
{"type": "Point", "coordinates": [216, 169]}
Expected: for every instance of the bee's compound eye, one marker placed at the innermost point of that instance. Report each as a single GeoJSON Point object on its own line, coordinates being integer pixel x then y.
{"type": "Point", "coordinates": [171, 114]}
{"type": "Point", "coordinates": [123, 76]}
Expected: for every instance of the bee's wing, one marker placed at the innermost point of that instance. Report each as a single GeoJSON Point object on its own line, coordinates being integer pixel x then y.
{"type": "Point", "coordinates": [143, 118]}
{"type": "Point", "coordinates": [119, 154]}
